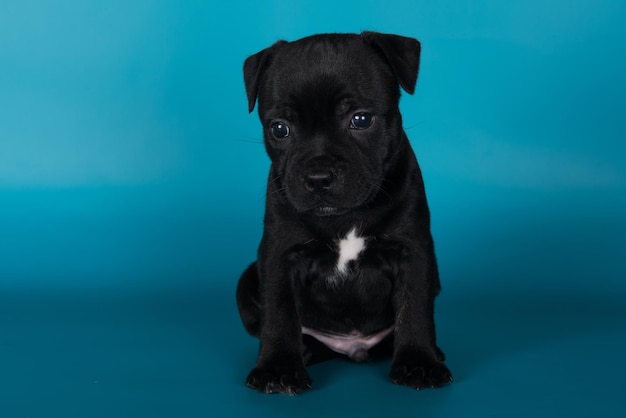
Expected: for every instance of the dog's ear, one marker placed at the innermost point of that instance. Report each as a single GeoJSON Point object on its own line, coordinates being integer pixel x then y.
{"type": "Point", "coordinates": [253, 68]}
{"type": "Point", "coordinates": [401, 53]}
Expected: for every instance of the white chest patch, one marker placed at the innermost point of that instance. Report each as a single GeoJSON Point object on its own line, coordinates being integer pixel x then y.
{"type": "Point", "coordinates": [349, 249]}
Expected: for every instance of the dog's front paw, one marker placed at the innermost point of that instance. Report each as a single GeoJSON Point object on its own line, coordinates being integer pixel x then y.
{"type": "Point", "coordinates": [279, 379]}
{"type": "Point", "coordinates": [419, 370]}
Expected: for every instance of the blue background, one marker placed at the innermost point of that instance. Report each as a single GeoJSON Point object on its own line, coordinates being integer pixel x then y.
{"type": "Point", "coordinates": [131, 198]}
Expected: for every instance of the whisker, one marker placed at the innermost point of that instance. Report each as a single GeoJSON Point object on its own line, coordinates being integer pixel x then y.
{"type": "Point", "coordinates": [250, 139]}
{"type": "Point", "coordinates": [378, 184]}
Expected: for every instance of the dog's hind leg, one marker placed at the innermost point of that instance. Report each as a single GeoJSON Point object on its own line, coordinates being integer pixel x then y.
{"type": "Point", "coordinates": [248, 300]}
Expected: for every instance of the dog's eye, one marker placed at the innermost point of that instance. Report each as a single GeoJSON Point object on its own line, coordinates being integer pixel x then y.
{"type": "Point", "coordinates": [280, 130]}
{"type": "Point", "coordinates": [361, 120]}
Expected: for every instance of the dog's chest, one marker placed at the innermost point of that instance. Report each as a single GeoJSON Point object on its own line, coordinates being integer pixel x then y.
{"type": "Point", "coordinates": [344, 277]}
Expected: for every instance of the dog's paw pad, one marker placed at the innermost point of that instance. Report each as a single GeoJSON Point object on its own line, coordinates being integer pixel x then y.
{"type": "Point", "coordinates": [290, 382]}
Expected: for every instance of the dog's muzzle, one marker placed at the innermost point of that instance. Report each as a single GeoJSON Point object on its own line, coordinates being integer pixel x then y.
{"type": "Point", "coordinates": [327, 186]}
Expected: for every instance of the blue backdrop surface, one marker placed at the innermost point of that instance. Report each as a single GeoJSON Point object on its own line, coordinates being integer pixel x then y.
{"type": "Point", "coordinates": [132, 186]}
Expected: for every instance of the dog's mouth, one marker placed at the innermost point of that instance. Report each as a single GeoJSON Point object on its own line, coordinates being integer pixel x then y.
{"type": "Point", "coordinates": [328, 211]}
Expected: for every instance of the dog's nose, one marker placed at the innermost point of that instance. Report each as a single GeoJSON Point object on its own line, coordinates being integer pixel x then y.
{"type": "Point", "coordinates": [319, 181]}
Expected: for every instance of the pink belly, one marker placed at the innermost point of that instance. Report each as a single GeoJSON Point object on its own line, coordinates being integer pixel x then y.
{"type": "Point", "coordinates": [355, 345]}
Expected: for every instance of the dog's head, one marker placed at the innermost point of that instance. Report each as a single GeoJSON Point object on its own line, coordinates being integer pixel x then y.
{"type": "Point", "coordinates": [329, 109]}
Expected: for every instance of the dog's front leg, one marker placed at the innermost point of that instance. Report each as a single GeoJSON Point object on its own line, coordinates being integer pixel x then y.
{"type": "Point", "coordinates": [416, 359]}
{"type": "Point", "coordinates": [280, 367]}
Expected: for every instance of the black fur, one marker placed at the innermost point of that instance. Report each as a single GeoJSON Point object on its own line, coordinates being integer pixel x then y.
{"type": "Point", "coordinates": [327, 177]}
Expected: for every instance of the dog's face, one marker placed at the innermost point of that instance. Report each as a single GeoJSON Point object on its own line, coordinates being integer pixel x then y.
{"type": "Point", "coordinates": [329, 109]}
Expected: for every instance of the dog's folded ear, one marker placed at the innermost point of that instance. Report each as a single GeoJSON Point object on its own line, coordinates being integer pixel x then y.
{"type": "Point", "coordinates": [253, 68]}
{"type": "Point", "coordinates": [402, 54]}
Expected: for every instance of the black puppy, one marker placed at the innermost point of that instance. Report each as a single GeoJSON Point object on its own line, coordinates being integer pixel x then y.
{"type": "Point", "coordinates": [346, 265]}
